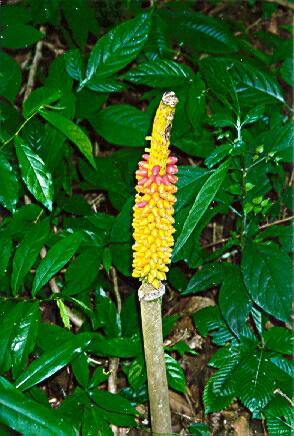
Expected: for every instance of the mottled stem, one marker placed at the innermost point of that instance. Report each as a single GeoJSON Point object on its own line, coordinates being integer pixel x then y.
{"type": "Point", "coordinates": [155, 362]}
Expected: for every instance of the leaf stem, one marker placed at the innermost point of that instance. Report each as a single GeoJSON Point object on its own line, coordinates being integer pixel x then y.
{"type": "Point", "coordinates": [243, 186]}
{"type": "Point", "coordinates": [18, 131]}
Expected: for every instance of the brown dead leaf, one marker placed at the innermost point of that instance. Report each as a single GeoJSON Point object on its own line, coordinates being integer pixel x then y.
{"type": "Point", "coordinates": [180, 405]}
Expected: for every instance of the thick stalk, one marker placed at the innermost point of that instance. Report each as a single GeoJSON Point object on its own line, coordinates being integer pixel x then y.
{"type": "Point", "coordinates": [155, 364]}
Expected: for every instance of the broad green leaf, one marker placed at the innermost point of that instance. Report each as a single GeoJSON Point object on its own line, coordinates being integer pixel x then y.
{"type": "Point", "coordinates": [107, 316]}
{"type": "Point", "coordinates": [190, 181]}
{"type": "Point", "coordinates": [34, 173]}
{"type": "Point", "coordinates": [18, 35]}
{"type": "Point", "coordinates": [234, 301]}
{"type": "Point", "coordinates": [255, 380]}
{"type": "Point", "coordinates": [286, 71]}
{"type": "Point", "coordinates": [10, 77]}
{"type": "Point", "coordinates": [7, 328]}
{"type": "Point", "coordinates": [113, 402]}
{"type": "Point", "coordinates": [122, 124]}
{"type": "Point", "coordinates": [201, 203]}
{"type": "Point", "coordinates": [106, 85]}
{"type": "Point", "coordinates": [118, 47]}
{"type": "Point", "coordinates": [24, 337]}
{"type": "Point", "coordinates": [27, 253]}
{"type": "Point", "coordinates": [80, 369]}
{"type": "Point", "coordinates": [81, 19]}
{"type": "Point", "coordinates": [215, 402]}
{"type": "Point", "coordinates": [8, 184]}
{"type": "Point", "coordinates": [52, 361]}
{"type": "Point", "coordinates": [279, 339]}
{"type": "Point", "coordinates": [118, 419]}
{"type": "Point", "coordinates": [279, 416]}
{"type": "Point", "coordinates": [224, 383]}
{"type": "Point", "coordinates": [74, 64]}
{"type": "Point", "coordinates": [218, 155]}
{"type": "Point", "coordinates": [73, 132]}
{"type": "Point", "coordinates": [277, 139]}
{"type": "Point", "coordinates": [199, 429]}
{"type": "Point", "coordinates": [201, 32]}
{"type": "Point", "coordinates": [39, 98]}
{"type": "Point", "coordinates": [76, 279]}
{"type": "Point", "coordinates": [6, 249]}
{"type": "Point", "coordinates": [208, 276]}
{"type": "Point", "coordinates": [137, 375]}
{"type": "Point", "coordinates": [118, 347]}
{"type": "Point", "coordinates": [256, 79]}
{"type": "Point", "coordinates": [267, 276]}
{"type": "Point", "coordinates": [93, 423]}
{"type": "Point", "coordinates": [209, 318]}
{"type": "Point", "coordinates": [160, 74]}
{"type": "Point", "coordinates": [22, 220]}
{"type": "Point", "coordinates": [175, 374]}
{"type": "Point", "coordinates": [55, 259]}
{"type": "Point", "coordinates": [254, 114]}
{"type": "Point", "coordinates": [216, 73]}
{"type": "Point", "coordinates": [27, 416]}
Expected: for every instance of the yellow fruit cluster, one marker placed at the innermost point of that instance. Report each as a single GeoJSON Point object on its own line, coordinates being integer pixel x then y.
{"type": "Point", "coordinates": [153, 211]}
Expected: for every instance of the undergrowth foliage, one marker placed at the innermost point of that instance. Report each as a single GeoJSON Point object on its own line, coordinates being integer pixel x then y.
{"type": "Point", "coordinates": [79, 88]}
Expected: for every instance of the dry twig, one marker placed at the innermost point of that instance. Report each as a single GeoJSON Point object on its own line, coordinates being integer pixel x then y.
{"type": "Point", "coordinates": [33, 70]}
{"type": "Point", "coordinates": [114, 361]}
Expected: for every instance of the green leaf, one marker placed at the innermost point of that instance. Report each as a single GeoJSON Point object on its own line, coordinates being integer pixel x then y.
{"type": "Point", "coordinates": [8, 184]}
{"type": "Point", "coordinates": [255, 380]}
{"type": "Point", "coordinates": [107, 316]}
{"type": "Point", "coordinates": [118, 347]}
{"type": "Point", "coordinates": [113, 402]}
{"type": "Point", "coordinates": [74, 64]}
{"type": "Point", "coordinates": [118, 47]}
{"type": "Point", "coordinates": [279, 339]}
{"type": "Point", "coordinates": [75, 278]}
{"type": "Point", "coordinates": [267, 276]}
{"type": "Point", "coordinates": [27, 253]}
{"type": "Point", "coordinates": [24, 336]}
{"type": "Point", "coordinates": [199, 429]}
{"type": "Point", "coordinates": [55, 259]}
{"type": "Point", "coordinates": [175, 374]}
{"type": "Point", "coordinates": [161, 74]}
{"type": "Point", "coordinates": [256, 79]}
{"type": "Point", "coordinates": [210, 275]}
{"type": "Point", "coordinates": [73, 132]}
{"type": "Point", "coordinates": [137, 375]}
{"type": "Point", "coordinates": [286, 71]}
{"type": "Point", "coordinates": [34, 173]}
{"type": "Point", "coordinates": [218, 155]}
{"type": "Point", "coordinates": [234, 301]}
{"type": "Point", "coordinates": [215, 402]}
{"type": "Point", "coordinates": [279, 417]}
{"type": "Point", "coordinates": [80, 369]}
{"type": "Point", "coordinates": [122, 124]}
{"type": "Point", "coordinates": [209, 318]}
{"type": "Point", "coordinates": [8, 331]}
{"type": "Point", "coordinates": [10, 77]}
{"type": "Point", "coordinates": [63, 314]}
{"type": "Point", "coordinates": [39, 98]}
{"type": "Point", "coordinates": [201, 32]}
{"type": "Point", "coordinates": [28, 417]}
{"type": "Point", "coordinates": [18, 35]}
{"type": "Point", "coordinates": [52, 361]}
{"type": "Point", "coordinates": [93, 423]}
{"type": "Point", "coordinates": [202, 202]}
{"type": "Point", "coordinates": [6, 244]}
{"type": "Point", "coordinates": [81, 19]}
{"type": "Point", "coordinates": [106, 85]}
